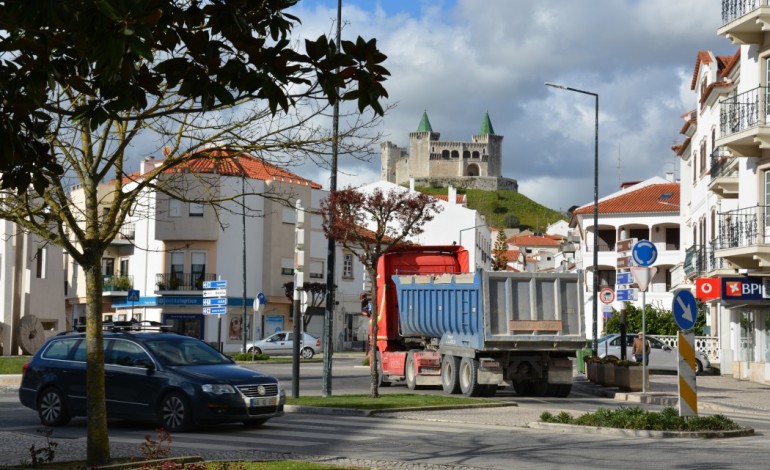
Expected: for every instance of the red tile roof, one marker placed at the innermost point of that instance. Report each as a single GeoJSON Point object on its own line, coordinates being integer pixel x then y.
{"type": "Point", "coordinates": [532, 240]}
{"type": "Point", "coordinates": [663, 197]}
{"type": "Point", "coordinates": [703, 57]}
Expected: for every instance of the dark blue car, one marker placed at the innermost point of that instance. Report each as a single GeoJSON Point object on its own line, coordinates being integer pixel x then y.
{"type": "Point", "coordinates": [166, 378]}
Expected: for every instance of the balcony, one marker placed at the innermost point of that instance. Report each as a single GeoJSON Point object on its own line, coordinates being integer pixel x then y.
{"type": "Point", "coordinates": [744, 237]}
{"type": "Point", "coordinates": [117, 283]}
{"type": "Point", "coordinates": [724, 174]}
{"type": "Point", "coordinates": [182, 281]}
{"type": "Point", "coordinates": [699, 261]}
{"type": "Point", "coordinates": [743, 123]}
{"type": "Point", "coordinates": [745, 21]}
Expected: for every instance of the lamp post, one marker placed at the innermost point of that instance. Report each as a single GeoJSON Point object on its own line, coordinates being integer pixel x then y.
{"type": "Point", "coordinates": [594, 343]}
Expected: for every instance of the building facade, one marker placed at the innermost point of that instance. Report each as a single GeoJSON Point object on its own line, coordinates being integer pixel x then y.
{"type": "Point", "coordinates": [429, 161]}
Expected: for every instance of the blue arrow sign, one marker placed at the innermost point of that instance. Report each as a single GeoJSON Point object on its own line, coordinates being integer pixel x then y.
{"type": "Point", "coordinates": [214, 310]}
{"type": "Point", "coordinates": [261, 298]}
{"type": "Point", "coordinates": [214, 301]}
{"type": "Point", "coordinates": [215, 284]}
{"type": "Point", "coordinates": [645, 253]}
{"type": "Point", "coordinates": [626, 295]}
{"type": "Point", "coordinates": [625, 279]}
{"type": "Point", "coordinates": [685, 309]}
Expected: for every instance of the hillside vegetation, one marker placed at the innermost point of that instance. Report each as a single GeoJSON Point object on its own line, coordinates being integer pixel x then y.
{"type": "Point", "coordinates": [506, 209]}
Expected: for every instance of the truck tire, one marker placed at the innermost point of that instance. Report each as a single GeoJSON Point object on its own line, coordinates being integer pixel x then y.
{"type": "Point", "coordinates": [524, 388]}
{"type": "Point", "coordinates": [563, 390]}
{"type": "Point", "coordinates": [489, 390]}
{"type": "Point", "coordinates": [382, 380]}
{"type": "Point", "coordinates": [411, 373]}
{"type": "Point", "coordinates": [469, 375]}
{"type": "Point", "coordinates": [450, 365]}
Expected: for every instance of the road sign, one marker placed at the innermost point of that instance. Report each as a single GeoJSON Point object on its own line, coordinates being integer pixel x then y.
{"type": "Point", "coordinates": [685, 310]}
{"type": "Point", "coordinates": [215, 284]}
{"type": "Point", "coordinates": [607, 295]}
{"type": "Point", "coordinates": [625, 245]}
{"type": "Point", "coordinates": [214, 292]}
{"type": "Point", "coordinates": [624, 262]}
{"type": "Point", "coordinates": [212, 301]}
{"type": "Point", "coordinates": [214, 310]}
{"type": "Point", "coordinates": [624, 279]}
{"type": "Point", "coordinates": [643, 276]}
{"type": "Point", "coordinates": [133, 295]}
{"type": "Point", "coordinates": [261, 298]}
{"type": "Point", "coordinates": [625, 295]}
{"type": "Point", "coordinates": [645, 253]}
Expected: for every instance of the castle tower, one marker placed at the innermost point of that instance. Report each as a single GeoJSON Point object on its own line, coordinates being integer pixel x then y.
{"type": "Point", "coordinates": [494, 146]}
{"type": "Point", "coordinates": [420, 148]}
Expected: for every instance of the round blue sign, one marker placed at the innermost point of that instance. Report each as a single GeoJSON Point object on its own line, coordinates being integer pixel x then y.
{"type": "Point", "coordinates": [644, 253]}
{"type": "Point", "coordinates": [261, 298]}
{"type": "Point", "coordinates": [685, 309]}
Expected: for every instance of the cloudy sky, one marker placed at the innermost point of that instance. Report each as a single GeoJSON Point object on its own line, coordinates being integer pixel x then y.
{"type": "Point", "coordinates": [458, 59]}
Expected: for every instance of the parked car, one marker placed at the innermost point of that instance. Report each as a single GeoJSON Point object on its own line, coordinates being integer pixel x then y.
{"type": "Point", "coordinates": [662, 356]}
{"type": "Point", "coordinates": [282, 344]}
{"type": "Point", "coordinates": [166, 378]}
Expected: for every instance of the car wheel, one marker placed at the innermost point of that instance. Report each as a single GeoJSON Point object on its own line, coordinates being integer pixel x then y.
{"type": "Point", "coordinates": [175, 413]}
{"type": "Point", "coordinates": [307, 353]}
{"type": "Point", "coordinates": [255, 350]}
{"type": "Point", "coordinates": [698, 367]}
{"type": "Point", "coordinates": [51, 408]}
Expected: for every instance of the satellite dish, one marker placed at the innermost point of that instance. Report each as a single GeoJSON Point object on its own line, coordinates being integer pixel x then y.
{"type": "Point", "coordinates": [31, 334]}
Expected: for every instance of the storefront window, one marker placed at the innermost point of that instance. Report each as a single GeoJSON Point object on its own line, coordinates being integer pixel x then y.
{"type": "Point", "coordinates": [747, 338]}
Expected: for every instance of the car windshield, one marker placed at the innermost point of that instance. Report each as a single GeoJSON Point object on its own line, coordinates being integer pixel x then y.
{"type": "Point", "coordinates": [185, 352]}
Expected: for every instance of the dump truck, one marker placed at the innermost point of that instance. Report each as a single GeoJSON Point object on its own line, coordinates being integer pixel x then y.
{"type": "Point", "coordinates": [439, 324]}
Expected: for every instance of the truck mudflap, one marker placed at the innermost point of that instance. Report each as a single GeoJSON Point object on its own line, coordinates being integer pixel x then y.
{"type": "Point", "coordinates": [559, 370]}
{"type": "Point", "coordinates": [490, 372]}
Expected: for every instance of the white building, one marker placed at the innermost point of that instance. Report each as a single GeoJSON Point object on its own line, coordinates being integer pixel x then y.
{"type": "Point", "coordinates": [648, 210]}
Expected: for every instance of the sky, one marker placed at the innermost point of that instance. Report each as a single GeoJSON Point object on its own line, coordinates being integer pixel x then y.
{"type": "Point", "coordinates": [458, 59]}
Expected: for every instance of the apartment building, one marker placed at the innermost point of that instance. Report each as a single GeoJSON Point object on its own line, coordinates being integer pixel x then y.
{"type": "Point", "coordinates": [647, 210]}
{"type": "Point", "coordinates": [728, 195]}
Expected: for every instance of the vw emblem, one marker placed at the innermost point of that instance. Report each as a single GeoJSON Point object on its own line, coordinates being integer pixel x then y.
{"type": "Point", "coordinates": [261, 389]}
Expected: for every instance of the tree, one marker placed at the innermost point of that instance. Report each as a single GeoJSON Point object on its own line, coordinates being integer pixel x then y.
{"type": "Point", "coordinates": [84, 83]}
{"type": "Point", "coordinates": [367, 225]}
{"type": "Point", "coordinates": [500, 262]}
{"type": "Point", "coordinates": [316, 292]}
{"type": "Point", "coordinates": [659, 321]}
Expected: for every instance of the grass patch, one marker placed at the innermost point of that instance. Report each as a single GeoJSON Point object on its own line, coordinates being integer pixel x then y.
{"type": "Point", "coordinates": [12, 364]}
{"type": "Point", "coordinates": [388, 401]}
{"type": "Point", "coordinates": [667, 419]}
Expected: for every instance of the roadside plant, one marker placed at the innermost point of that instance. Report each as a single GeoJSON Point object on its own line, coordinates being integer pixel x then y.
{"type": "Point", "coordinates": [46, 453]}
{"type": "Point", "coordinates": [667, 419]}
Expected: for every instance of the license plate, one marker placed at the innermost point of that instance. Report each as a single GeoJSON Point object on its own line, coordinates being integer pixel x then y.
{"type": "Point", "coordinates": [268, 401]}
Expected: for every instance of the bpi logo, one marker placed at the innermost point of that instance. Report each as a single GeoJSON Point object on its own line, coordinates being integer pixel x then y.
{"type": "Point", "coordinates": [747, 288]}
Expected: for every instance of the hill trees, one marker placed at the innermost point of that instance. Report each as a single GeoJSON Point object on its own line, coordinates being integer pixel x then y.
{"type": "Point", "coordinates": [86, 83]}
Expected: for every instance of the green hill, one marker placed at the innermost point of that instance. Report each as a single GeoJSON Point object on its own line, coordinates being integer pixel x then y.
{"type": "Point", "coordinates": [506, 209]}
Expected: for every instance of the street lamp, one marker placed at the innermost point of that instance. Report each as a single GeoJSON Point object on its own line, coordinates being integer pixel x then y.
{"type": "Point", "coordinates": [595, 342]}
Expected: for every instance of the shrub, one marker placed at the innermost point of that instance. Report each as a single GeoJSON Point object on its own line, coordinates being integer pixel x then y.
{"type": "Point", "coordinates": [667, 419]}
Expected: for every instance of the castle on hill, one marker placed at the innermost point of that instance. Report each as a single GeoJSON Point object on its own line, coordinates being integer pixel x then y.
{"type": "Point", "coordinates": [432, 162]}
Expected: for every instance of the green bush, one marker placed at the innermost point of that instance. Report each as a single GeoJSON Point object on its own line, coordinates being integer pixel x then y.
{"type": "Point", "coordinates": [249, 357]}
{"type": "Point", "coordinates": [667, 419]}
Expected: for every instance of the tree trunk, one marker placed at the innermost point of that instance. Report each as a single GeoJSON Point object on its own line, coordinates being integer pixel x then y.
{"type": "Point", "coordinates": [374, 391]}
{"type": "Point", "coordinates": [98, 445]}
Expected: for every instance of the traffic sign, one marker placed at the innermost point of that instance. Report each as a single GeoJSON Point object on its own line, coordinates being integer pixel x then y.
{"type": "Point", "coordinates": [625, 245]}
{"type": "Point", "coordinates": [624, 279]}
{"type": "Point", "coordinates": [214, 310]}
{"type": "Point", "coordinates": [645, 253]}
{"type": "Point", "coordinates": [624, 262]}
{"type": "Point", "coordinates": [643, 276]}
{"type": "Point", "coordinates": [261, 298]}
{"type": "Point", "coordinates": [624, 295]}
{"type": "Point", "coordinates": [214, 292]}
{"type": "Point", "coordinates": [685, 309]}
{"type": "Point", "coordinates": [215, 284]}
{"type": "Point", "coordinates": [133, 295]}
{"type": "Point", "coordinates": [607, 295]}
{"type": "Point", "coordinates": [214, 301]}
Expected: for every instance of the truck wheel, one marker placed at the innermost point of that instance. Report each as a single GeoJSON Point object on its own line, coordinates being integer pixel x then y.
{"type": "Point", "coordinates": [469, 375]}
{"type": "Point", "coordinates": [450, 366]}
{"type": "Point", "coordinates": [382, 381]}
{"type": "Point", "coordinates": [563, 390]}
{"type": "Point", "coordinates": [523, 388]}
{"type": "Point", "coordinates": [489, 390]}
{"type": "Point", "coordinates": [411, 374]}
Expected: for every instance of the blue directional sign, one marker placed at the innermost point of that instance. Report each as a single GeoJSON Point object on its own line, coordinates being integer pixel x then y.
{"type": "Point", "coordinates": [644, 253]}
{"type": "Point", "coordinates": [215, 284]}
{"type": "Point", "coordinates": [685, 310]}
{"type": "Point", "coordinates": [261, 298]}
{"type": "Point", "coordinates": [215, 310]}
{"type": "Point", "coordinates": [626, 295]}
{"type": "Point", "coordinates": [133, 295]}
{"type": "Point", "coordinates": [212, 301]}
{"type": "Point", "coordinates": [625, 279]}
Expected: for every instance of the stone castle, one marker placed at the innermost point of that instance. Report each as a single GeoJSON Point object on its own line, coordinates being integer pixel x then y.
{"type": "Point", "coordinates": [431, 162]}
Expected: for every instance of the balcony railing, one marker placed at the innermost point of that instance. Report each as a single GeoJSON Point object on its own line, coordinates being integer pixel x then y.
{"type": "Point", "coordinates": [733, 9]}
{"type": "Point", "coordinates": [182, 281]}
{"type": "Point", "coordinates": [743, 111]}
{"type": "Point", "coordinates": [117, 283]}
{"type": "Point", "coordinates": [699, 260]}
{"type": "Point", "coordinates": [722, 163]}
{"type": "Point", "coordinates": [743, 228]}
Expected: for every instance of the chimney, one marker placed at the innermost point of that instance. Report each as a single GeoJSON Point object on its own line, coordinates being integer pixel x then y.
{"type": "Point", "coordinates": [147, 165]}
{"type": "Point", "coordinates": [452, 195]}
{"type": "Point", "coordinates": [670, 176]}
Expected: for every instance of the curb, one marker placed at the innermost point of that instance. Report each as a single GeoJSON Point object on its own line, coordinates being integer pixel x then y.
{"type": "Point", "coordinates": [323, 410]}
{"type": "Point", "coordinates": [570, 428]}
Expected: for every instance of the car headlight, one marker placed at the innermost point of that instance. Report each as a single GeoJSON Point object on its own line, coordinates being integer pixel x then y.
{"type": "Point", "coordinates": [218, 389]}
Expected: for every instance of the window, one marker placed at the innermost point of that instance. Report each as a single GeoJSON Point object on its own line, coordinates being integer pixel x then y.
{"type": "Point", "coordinates": [702, 157]}
{"type": "Point", "coordinates": [287, 266]}
{"type": "Point", "coordinates": [174, 208]}
{"type": "Point", "coordinates": [316, 269]}
{"type": "Point", "coordinates": [177, 265]}
{"type": "Point", "coordinates": [196, 209]}
{"type": "Point", "coordinates": [347, 266]}
{"type": "Point", "coordinates": [198, 268]}
{"type": "Point", "coordinates": [607, 278]}
{"type": "Point", "coordinates": [124, 267]}
{"type": "Point", "coordinates": [672, 238]}
{"type": "Point", "coordinates": [108, 266]}
{"type": "Point", "coordinates": [41, 256]}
